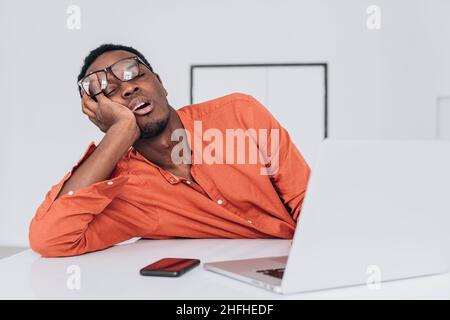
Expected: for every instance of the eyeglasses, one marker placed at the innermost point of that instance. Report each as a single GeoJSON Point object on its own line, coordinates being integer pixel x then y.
{"type": "Point", "coordinates": [123, 70]}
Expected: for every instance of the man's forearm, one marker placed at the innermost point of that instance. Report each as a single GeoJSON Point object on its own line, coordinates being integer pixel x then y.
{"type": "Point", "coordinates": [101, 163]}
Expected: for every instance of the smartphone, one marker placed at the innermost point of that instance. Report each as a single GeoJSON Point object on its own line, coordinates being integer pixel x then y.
{"type": "Point", "coordinates": [169, 267]}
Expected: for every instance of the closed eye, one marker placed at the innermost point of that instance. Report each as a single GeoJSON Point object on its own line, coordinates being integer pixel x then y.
{"type": "Point", "coordinates": [113, 91]}
{"type": "Point", "coordinates": [110, 93]}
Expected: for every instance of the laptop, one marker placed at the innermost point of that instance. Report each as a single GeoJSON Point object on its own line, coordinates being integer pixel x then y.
{"type": "Point", "coordinates": [374, 211]}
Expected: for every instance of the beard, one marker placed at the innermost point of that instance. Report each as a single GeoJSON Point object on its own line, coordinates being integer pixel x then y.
{"type": "Point", "coordinates": [152, 129]}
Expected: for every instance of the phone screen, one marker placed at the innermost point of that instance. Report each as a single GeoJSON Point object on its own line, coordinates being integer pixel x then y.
{"type": "Point", "coordinates": [170, 264]}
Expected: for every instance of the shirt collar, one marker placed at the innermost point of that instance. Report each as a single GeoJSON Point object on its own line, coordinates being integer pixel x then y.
{"type": "Point", "coordinates": [133, 153]}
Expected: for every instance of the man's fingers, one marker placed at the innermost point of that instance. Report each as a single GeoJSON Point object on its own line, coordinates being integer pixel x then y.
{"type": "Point", "coordinates": [95, 122]}
{"type": "Point", "coordinates": [88, 112]}
{"type": "Point", "coordinates": [89, 104]}
{"type": "Point", "coordinates": [98, 87]}
{"type": "Point", "coordinates": [94, 84]}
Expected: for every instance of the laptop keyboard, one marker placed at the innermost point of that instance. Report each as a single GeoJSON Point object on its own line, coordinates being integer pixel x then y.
{"type": "Point", "coordinates": [277, 273]}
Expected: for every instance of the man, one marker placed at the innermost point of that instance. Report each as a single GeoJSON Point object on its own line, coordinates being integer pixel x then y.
{"type": "Point", "coordinates": [133, 183]}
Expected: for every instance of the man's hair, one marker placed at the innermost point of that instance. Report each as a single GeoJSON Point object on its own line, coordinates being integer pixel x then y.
{"type": "Point", "coordinates": [90, 58]}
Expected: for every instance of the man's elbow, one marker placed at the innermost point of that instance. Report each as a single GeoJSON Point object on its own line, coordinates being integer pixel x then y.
{"type": "Point", "coordinates": [48, 250]}
{"type": "Point", "coordinates": [49, 247]}
{"type": "Point", "coordinates": [42, 248]}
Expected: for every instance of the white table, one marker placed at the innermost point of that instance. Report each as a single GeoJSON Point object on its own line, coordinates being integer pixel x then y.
{"type": "Point", "coordinates": [114, 274]}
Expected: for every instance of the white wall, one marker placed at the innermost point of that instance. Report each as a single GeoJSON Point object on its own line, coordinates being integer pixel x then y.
{"type": "Point", "coordinates": [382, 83]}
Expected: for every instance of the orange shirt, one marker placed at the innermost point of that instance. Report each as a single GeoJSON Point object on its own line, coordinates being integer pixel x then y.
{"type": "Point", "coordinates": [142, 200]}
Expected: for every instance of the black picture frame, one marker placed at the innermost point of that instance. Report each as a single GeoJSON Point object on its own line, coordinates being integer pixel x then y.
{"type": "Point", "coordinates": [322, 65]}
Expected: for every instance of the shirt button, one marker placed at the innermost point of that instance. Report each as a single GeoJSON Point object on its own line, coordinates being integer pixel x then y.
{"type": "Point", "coordinates": [70, 193]}
{"type": "Point", "coordinates": [188, 182]}
{"type": "Point", "coordinates": [110, 182]}
{"type": "Point", "coordinates": [220, 201]}
{"type": "Point", "coordinates": [249, 221]}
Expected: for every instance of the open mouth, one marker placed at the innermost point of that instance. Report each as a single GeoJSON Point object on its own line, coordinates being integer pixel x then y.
{"type": "Point", "coordinates": [142, 107]}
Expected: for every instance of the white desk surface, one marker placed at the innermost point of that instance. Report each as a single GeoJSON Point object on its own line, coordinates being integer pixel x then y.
{"type": "Point", "coordinates": [114, 274]}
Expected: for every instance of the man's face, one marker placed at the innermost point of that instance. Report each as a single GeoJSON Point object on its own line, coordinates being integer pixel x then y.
{"type": "Point", "coordinates": [147, 86]}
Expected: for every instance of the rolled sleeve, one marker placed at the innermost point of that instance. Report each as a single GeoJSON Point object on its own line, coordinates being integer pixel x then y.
{"type": "Point", "coordinates": [61, 225]}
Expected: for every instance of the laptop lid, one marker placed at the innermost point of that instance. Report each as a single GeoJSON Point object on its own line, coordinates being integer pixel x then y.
{"type": "Point", "coordinates": [374, 210]}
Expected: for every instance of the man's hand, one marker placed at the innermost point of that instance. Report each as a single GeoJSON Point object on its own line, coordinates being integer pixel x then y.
{"type": "Point", "coordinates": [105, 113]}
{"type": "Point", "coordinates": [121, 130]}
